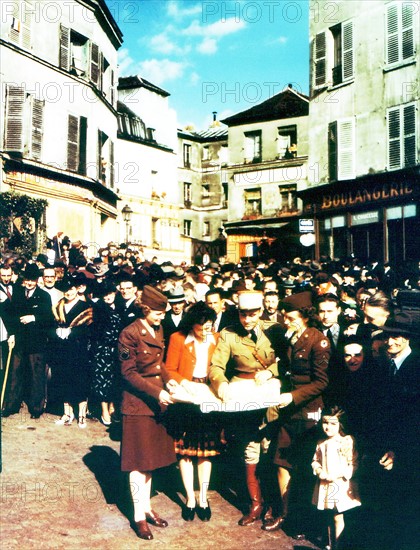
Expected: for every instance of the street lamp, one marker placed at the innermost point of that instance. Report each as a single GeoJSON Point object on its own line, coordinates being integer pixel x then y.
{"type": "Point", "coordinates": [126, 212]}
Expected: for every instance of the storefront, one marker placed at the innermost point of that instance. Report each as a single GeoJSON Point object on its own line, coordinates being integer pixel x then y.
{"type": "Point", "coordinates": [372, 218]}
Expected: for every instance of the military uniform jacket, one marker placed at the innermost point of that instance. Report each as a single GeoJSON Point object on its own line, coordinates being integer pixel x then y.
{"type": "Point", "coordinates": [309, 359]}
{"type": "Point", "coordinates": [142, 369]}
{"type": "Point", "coordinates": [236, 346]}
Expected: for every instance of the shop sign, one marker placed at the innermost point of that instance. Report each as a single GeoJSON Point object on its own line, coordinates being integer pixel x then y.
{"type": "Point", "coordinates": [364, 195]}
{"type": "Point", "coordinates": [365, 217]}
{"type": "Point", "coordinates": [306, 226]}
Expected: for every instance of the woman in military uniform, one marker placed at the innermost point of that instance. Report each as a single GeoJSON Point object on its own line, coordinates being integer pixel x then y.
{"type": "Point", "coordinates": [145, 444]}
{"type": "Point", "coordinates": [300, 408]}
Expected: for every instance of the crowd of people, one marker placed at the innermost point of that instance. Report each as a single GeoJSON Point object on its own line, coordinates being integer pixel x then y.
{"type": "Point", "coordinates": [326, 352]}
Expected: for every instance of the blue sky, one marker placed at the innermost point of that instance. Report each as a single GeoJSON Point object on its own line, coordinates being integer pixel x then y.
{"type": "Point", "coordinates": [214, 55]}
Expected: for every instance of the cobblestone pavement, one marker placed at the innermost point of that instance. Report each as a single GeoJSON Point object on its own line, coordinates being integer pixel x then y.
{"type": "Point", "coordinates": [61, 489]}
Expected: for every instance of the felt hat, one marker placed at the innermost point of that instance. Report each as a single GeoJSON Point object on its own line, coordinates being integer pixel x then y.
{"type": "Point", "coordinates": [176, 295]}
{"type": "Point", "coordinates": [67, 283]}
{"type": "Point", "coordinates": [403, 324]}
{"type": "Point", "coordinates": [154, 299]}
{"type": "Point", "coordinates": [31, 272]}
{"type": "Point", "coordinates": [250, 299]}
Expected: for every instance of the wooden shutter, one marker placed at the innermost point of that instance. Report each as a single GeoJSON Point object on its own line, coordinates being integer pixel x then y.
{"type": "Point", "coordinates": [37, 127]}
{"type": "Point", "coordinates": [73, 144]}
{"type": "Point", "coordinates": [347, 48]}
{"type": "Point", "coordinates": [392, 31]}
{"type": "Point", "coordinates": [407, 25]}
{"type": "Point", "coordinates": [64, 48]}
{"type": "Point", "coordinates": [27, 15]}
{"type": "Point", "coordinates": [409, 118]}
{"type": "Point", "coordinates": [320, 59]}
{"type": "Point", "coordinates": [332, 151]}
{"type": "Point", "coordinates": [14, 139]}
{"type": "Point", "coordinates": [394, 139]}
{"type": "Point", "coordinates": [111, 88]}
{"type": "Point", "coordinates": [94, 63]}
{"type": "Point", "coordinates": [82, 145]}
{"type": "Point", "coordinates": [345, 135]}
{"type": "Point", "coordinates": [111, 165]}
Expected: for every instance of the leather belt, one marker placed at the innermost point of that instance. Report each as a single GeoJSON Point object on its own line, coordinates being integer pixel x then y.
{"type": "Point", "coordinates": [246, 375]}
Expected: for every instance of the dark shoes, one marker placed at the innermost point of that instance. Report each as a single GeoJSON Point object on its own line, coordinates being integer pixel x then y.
{"type": "Point", "coordinates": [155, 520]}
{"type": "Point", "coordinates": [188, 513]}
{"type": "Point", "coordinates": [273, 524]}
{"type": "Point", "coordinates": [204, 513]}
{"type": "Point", "coordinates": [254, 513]}
{"type": "Point", "coordinates": [142, 530]}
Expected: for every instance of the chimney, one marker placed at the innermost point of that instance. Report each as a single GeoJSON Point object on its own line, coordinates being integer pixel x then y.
{"type": "Point", "coordinates": [214, 116]}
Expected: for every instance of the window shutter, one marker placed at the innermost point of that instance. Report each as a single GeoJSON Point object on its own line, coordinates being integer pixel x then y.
{"type": "Point", "coordinates": [407, 30]}
{"type": "Point", "coordinates": [82, 145]}
{"type": "Point", "coordinates": [320, 59]}
{"type": "Point", "coordinates": [27, 16]}
{"type": "Point", "coordinates": [332, 151]}
{"type": "Point", "coordinates": [14, 124]}
{"type": "Point", "coordinates": [64, 48]}
{"type": "Point", "coordinates": [394, 141]}
{"type": "Point", "coordinates": [345, 149]}
{"type": "Point", "coordinates": [111, 88]}
{"type": "Point", "coordinates": [347, 37]}
{"type": "Point", "coordinates": [392, 34]}
{"type": "Point", "coordinates": [37, 127]}
{"type": "Point", "coordinates": [73, 144]}
{"type": "Point", "coordinates": [111, 164]}
{"type": "Point", "coordinates": [15, 26]}
{"type": "Point", "coordinates": [94, 63]}
{"type": "Point", "coordinates": [409, 135]}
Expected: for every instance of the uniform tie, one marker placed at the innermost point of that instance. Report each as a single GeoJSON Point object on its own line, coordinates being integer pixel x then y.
{"type": "Point", "coordinates": [253, 336]}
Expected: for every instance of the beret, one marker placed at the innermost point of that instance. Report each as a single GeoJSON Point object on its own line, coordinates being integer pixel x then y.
{"type": "Point", "coordinates": [154, 299]}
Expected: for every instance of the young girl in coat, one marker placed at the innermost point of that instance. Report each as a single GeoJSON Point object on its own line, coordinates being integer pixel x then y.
{"type": "Point", "coordinates": [334, 463]}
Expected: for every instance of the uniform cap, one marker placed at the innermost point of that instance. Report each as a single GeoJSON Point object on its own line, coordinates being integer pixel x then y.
{"type": "Point", "coordinates": [154, 299]}
{"type": "Point", "coordinates": [250, 299]}
{"type": "Point", "coordinates": [297, 301]}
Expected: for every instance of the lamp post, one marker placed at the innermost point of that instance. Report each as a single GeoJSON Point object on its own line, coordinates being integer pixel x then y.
{"type": "Point", "coordinates": [126, 212]}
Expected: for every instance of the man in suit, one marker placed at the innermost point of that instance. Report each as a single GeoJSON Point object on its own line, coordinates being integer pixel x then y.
{"type": "Point", "coordinates": [225, 316]}
{"type": "Point", "coordinates": [170, 323]}
{"type": "Point", "coordinates": [125, 301]}
{"type": "Point", "coordinates": [32, 318]}
{"type": "Point", "coordinates": [271, 308]}
{"type": "Point", "coordinates": [401, 433]}
{"type": "Point", "coordinates": [329, 313]}
{"type": "Point", "coordinates": [6, 293]}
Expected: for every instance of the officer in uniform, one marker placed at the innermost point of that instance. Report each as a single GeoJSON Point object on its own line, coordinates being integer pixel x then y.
{"type": "Point", "coordinates": [246, 348]}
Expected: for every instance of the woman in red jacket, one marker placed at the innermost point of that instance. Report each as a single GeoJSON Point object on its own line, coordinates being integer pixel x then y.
{"type": "Point", "coordinates": [189, 354]}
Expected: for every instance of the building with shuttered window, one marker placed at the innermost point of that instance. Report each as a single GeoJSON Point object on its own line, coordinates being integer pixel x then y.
{"type": "Point", "coordinates": [59, 62]}
{"type": "Point", "coordinates": [363, 190]}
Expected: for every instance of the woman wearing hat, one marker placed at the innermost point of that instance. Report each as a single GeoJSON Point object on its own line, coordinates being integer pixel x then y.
{"type": "Point", "coordinates": [69, 358]}
{"type": "Point", "coordinates": [300, 407]}
{"type": "Point", "coordinates": [106, 327]}
{"type": "Point", "coordinates": [145, 445]}
{"type": "Point", "coordinates": [189, 354]}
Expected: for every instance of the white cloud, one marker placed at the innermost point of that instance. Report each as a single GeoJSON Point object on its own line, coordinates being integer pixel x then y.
{"type": "Point", "coordinates": [125, 62]}
{"type": "Point", "coordinates": [208, 46]}
{"type": "Point", "coordinates": [159, 71]}
{"type": "Point", "coordinates": [195, 78]}
{"type": "Point", "coordinates": [175, 10]}
{"type": "Point", "coordinates": [162, 44]}
{"type": "Point", "coordinates": [217, 30]}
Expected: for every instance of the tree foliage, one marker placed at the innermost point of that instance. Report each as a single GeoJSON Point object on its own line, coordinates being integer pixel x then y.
{"type": "Point", "coordinates": [27, 211]}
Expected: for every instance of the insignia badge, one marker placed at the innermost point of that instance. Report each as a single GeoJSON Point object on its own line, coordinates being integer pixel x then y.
{"type": "Point", "coordinates": [124, 354]}
{"type": "Point", "coordinates": [324, 343]}
{"type": "Point", "coordinates": [143, 332]}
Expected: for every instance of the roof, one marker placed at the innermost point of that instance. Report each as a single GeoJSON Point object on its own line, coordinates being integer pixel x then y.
{"type": "Point", "coordinates": [129, 82]}
{"type": "Point", "coordinates": [286, 104]}
{"type": "Point", "coordinates": [213, 133]}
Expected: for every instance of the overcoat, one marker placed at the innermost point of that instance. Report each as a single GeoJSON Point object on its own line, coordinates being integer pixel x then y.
{"type": "Point", "coordinates": [181, 358]}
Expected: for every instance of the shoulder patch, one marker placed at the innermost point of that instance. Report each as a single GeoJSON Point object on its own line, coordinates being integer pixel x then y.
{"type": "Point", "coordinates": [324, 343]}
{"type": "Point", "coordinates": [124, 353]}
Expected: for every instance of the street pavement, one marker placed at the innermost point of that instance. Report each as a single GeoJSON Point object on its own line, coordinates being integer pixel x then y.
{"type": "Point", "coordinates": [61, 488]}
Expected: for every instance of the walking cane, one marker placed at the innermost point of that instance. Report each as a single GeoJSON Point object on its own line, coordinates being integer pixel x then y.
{"type": "Point", "coordinates": [3, 390]}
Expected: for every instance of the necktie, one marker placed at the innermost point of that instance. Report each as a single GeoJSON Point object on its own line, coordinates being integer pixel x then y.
{"type": "Point", "coordinates": [253, 336]}
{"type": "Point", "coordinates": [9, 294]}
{"type": "Point", "coordinates": [393, 367]}
{"type": "Point", "coordinates": [330, 337]}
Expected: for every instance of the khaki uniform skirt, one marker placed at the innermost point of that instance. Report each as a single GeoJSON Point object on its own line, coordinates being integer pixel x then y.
{"type": "Point", "coordinates": [145, 444]}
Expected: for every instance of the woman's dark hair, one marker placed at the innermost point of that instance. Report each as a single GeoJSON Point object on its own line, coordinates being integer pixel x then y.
{"type": "Point", "coordinates": [198, 314]}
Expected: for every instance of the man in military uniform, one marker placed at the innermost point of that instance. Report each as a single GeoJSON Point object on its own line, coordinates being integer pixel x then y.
{"type": "Point", "coordinates": [246, 348]}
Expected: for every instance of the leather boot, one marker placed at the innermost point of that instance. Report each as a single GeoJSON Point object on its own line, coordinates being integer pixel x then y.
{"type": "Point", "coordinates": [254, 491]}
